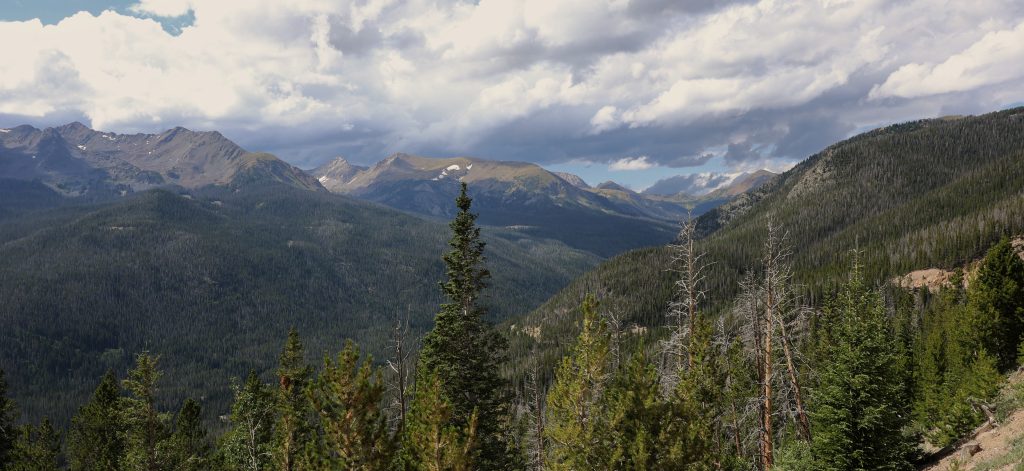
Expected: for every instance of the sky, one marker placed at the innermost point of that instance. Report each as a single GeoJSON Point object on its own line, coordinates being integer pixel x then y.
{"type": "Point", "coordinates": [627, 90]}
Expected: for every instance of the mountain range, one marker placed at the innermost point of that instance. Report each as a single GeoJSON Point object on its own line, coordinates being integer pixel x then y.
{"type": "Point", "coordinates": [605, 219]}
{"type": "Point", "coordinates": [78, 161]}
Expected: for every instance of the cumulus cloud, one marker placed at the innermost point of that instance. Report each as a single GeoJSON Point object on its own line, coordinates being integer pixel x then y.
{"type": "Point", "coordinates": [631, 163]}
{"type": "Point", "coordinates": [747, 82]}
{"type": "Point", "coordinates": [995, 58]}
{"type": "Point", "coordinates": [163, 8]}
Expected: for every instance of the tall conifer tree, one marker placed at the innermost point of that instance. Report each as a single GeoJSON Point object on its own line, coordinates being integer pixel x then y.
{"type": "Point", "coordinates": [997, 296]}
{"type": "Point", "coordinates": [575, 420]}
{"type": "Point", "coordinates": [291, 429]}
{"type": "Point", "coordinates": [95, 442]}
{"type": "Point", "coordinates": [144, 426]}
{"type": "Point", "coordinates": [462, 350]}
{"type": "Point", "coordinates": [861, 409]}
{"type": "Point", "coordinates": [188, 442]}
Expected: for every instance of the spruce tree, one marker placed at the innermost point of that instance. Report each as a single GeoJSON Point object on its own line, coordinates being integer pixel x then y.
{"type": "Point", "coordinates": [462, 350]}
{"type": "Point", "coordinates": [8, 431]}
{"type": "Point", "coordinates": [37, 449]}
{"type": "Point", "coordinates": [144, 426]}
{"type": "Point", "coordinates": [575, 422]}
{"type": "Point", "coordinates": [291, 429]}
{"type": "Point", "coordinates": [248, 445]}
{"type": "Point", "coordinates": [861, 409]}
{"type": "Point", "coordinates": [347, 396]}
{"type": "Point", "coordinates": [997, 294]}
{"type": "Point", "coordinates": [431, 441]}
{"type": "Point", "coordinates": [95, 441]}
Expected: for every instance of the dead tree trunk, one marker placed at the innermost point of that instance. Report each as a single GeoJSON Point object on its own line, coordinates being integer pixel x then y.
{"type": "Point", "coordinates": [801, 413]}
{"type": "Point", "coordinates": [537, 453]}
{"type": "Point", "coordinates": [684, 308]}
{"type": "Point", "coordinates": [399, 365]}
{"type": "Point", "coordinates": [767, 450]}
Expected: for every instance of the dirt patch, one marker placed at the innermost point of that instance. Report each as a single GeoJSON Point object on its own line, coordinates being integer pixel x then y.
{"type": "Point", "coordinates": [1000, 448]}
{"type": "Point", "coordinates": [936, 278]}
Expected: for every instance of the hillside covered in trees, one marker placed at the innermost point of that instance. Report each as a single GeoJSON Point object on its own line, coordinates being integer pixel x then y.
{"type": "Point", "coordinates": [930, 193]}
{"type": "Point", "coordinates": [868, 379]}
{"type": "Point", "coordinates": [213, 280]}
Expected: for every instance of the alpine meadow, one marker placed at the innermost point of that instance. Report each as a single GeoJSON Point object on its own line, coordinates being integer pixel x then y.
{"type": "Point", "coordinates": [313, 235]}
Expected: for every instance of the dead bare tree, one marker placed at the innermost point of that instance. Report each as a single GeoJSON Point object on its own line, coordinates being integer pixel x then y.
{"type": "Point", "coordinates": [782, 308]}
{"type": "Point", "coordinates": [398, 364]}
{"type": "Point", "coordinates": [773, 318]}
{"type": "Point", "coordinates": [690, 266]}
{"type": "Point", "coordinates": [535, 395]}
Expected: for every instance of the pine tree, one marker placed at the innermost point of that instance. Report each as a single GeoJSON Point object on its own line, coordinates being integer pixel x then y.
{"type": "Point", "coordinates": [37, 449]}
{"type": "Point", "coordinates": [634, 412]}
{"type": "Point", "coordinates": [693, 407]}
{"type": "Point", "coordinates": [348, 397]}
{"type": "Point", "coordinates": [462, 350]}
{"type": "Point", "coordinates": [248, 445]}
{"type": "Point", "coordinates": [188, 443]}
{"type": "Point", "coordinates": [145, 427]}
{"type": "Point", "coordinates": [8, 431]}
{"type": "Point", "coordinates": [430, 440]}
{"type": "Point", "coordinates": [291, 429]}
{"type": "Point", "coordinates": [95, 441]}
{"type": "Point", "coordinates": [574, 417]}
{"type": "Point", "coordinates": [861, 408]}
{"type": "Point", "coordinates": [997, 294]}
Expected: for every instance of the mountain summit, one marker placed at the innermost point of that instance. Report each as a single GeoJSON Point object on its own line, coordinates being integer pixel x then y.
{"type": "Point", "coordinates": [76, 160]}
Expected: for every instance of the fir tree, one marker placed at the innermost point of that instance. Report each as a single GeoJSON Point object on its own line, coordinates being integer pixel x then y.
{"type": "Point", "coordinates": [8, 431]}
{"type": "Point", "coordinates": [348, 396]}
{"type": "Point", "coordinates": [861, 409]}
{"type": "Point", "coordinates": [291, 430]}
{"type": "Point", "coordinates": [574, 417]}
{"type": "Point", "coordinates": [37, 449]}
{"type": "Point", "coordinates": [248, 445]}
{"type": "Point", "coordinates": [430, 439]}
{"type": "Point", "coordinates": [144, 426]}
{"type": "Point", "coordinates": [95, 441]}
{"type": "Point", "coordinates": [462, 350]}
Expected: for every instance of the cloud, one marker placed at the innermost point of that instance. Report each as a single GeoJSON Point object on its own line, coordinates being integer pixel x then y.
{"type": "Point", "coordinates": [995, 58]}
{"type": "Point", "coordinates": [163, 8]}
{"type": "Point", "coordinates": [750, 82]}
{"type": "Point", "coordinates": [631, 163]}
{"type": "Point", "coordinates": [695, 184]}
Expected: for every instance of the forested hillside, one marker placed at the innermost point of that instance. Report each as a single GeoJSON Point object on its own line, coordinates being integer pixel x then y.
{"type": "Point", "coordinates": [930, 193]}
{"type": "Point", "coordinates": [212, 282]}
{"type": "Point", "coordinates": [868, 379]}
